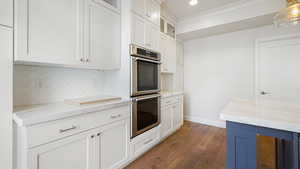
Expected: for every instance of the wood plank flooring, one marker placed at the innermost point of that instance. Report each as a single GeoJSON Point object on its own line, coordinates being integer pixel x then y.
{"type": "Point", "coordinates": [194, 146]}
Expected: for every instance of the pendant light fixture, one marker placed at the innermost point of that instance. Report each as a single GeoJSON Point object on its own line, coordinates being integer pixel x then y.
{"type": "Point", "coordinates": [289, 15]}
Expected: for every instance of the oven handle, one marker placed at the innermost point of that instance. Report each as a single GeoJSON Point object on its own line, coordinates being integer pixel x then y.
{"type": "Point", "coordinates": [146, 97]}
{"type": "Point", "coordinates": [147, 60]}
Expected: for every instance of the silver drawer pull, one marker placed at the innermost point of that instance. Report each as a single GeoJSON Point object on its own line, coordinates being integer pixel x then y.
{"type": "Point", "coordinates": [149, 141]}
{"type": "Point", "coordinates": [115, 116]}
{"type": "Point", "coordinates": [68, 129]}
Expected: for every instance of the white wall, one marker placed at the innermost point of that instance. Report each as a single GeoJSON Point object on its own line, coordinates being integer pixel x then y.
{"type": "Point", "coordinates": [36, 85]}
{"type": "Point", "coordinates": [220, 67]}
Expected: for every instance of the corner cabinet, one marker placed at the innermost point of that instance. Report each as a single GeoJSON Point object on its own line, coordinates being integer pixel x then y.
{"type": "Point", "coordinates": [54, 32]}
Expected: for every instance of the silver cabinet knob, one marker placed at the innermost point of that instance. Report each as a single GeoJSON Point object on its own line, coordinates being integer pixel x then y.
{"type": "Point", "coordinates": [81, 60]}
{"type": "Point", "coordinates": [264, 93]}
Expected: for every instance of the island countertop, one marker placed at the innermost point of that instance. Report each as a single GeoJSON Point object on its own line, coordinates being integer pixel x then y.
{"type": "Point", "coordinates": [267, 113]}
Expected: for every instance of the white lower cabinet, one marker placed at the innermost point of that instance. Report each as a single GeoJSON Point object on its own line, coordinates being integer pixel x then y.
{"type": "Point", "coordinates": [172, 115]}
{"type": "Point", "coordinates": [114, 145]}
{"type": "Point", "coordinates": [104, 145]}
{"type": "Point", "coordinates": [103, 148]}
{"type": "Point", "coordinates": [166, 120]}
{"type": "Point", "coordinates": [76, 152]}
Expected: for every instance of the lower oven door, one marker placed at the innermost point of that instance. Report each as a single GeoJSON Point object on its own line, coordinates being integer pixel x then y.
{"type": "Point", "coordinates": [145, 113]}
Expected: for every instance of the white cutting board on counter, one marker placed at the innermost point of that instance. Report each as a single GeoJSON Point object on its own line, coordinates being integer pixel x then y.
{"type": "Point", "coordinates": [91, 100]}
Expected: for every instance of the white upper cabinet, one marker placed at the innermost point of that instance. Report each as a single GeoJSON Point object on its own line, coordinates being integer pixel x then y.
{"type": "Point", "coordinates": [148, 9]}
{"type": "Point", "coordinates": [168, 52]}
{"type": "Point", "coordinates": [152, 37]}
{"type": "Point", "coordinates": [103, 36]}
{"type": "Point", "coordinates": [6, 12]}
{"type": "Point", "coordinates": [49, 31]}
{"type": "Point", "coordinates": [139, 7]}
{"type": "Point", "coordinates": [144, 33]}
{"type": "Point", "coordinates": [71, 33]}
{"type": "Point", "coordinates": [138, 28]}
{"type": "Point", "coordinates": [75, 152]}
{"type": "Point", "coordinates": [153, 11]}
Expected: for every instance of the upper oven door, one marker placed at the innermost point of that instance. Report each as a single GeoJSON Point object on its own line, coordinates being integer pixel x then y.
{"type": "Point", "coordinates": [145, 76]}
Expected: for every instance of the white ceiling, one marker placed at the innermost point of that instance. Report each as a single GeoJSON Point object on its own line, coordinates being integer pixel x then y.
{"type": "Point", "coordinates": [181, 8]}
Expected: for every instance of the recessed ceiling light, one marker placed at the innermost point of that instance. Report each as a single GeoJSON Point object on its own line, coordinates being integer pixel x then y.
{"type": "Point", "coordinates": [193, 2]}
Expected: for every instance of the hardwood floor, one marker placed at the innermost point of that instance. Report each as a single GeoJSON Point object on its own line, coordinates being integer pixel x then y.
{"type": "Point", "coordinates": [194, 146]}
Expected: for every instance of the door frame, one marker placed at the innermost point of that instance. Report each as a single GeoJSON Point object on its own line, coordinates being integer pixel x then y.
{"type": "Point", "coordinates": [258, 43]}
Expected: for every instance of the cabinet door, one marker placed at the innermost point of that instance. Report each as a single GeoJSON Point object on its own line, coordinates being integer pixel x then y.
{"type": "Point", "coordinates": [163, 50]}
{"type": "Point", "coordinates": [177, 119]}
{"type": "Point", "coordinates": [168, 51]}
{"type": "Point", "coordinates": [139, 7]}
{"type": "Point", "coordinates": [171, 55]}
{"type": "Point", "coordinates": [103, 43]}
{"type": "Point", "coordinates": [153, 11]}
{"type": "Point", "coordinates": [49, 31]}
{"type": "Point", "coordinates": [152, 37]}
{"type": "Point", "coordinates": [114, 148]}
{"type": "Point", "coordinates": [6, 12]}
{"type": "Point", "coordinates": [77, 152]}
{"type": "Point", "coordinates": [138, 30]}
{"type": "Point", "coordinates": [6, 99]}
{"type": "Point", "coordinates": [167, 120]}
{"type": "Point", "coordinates": [241, 146]}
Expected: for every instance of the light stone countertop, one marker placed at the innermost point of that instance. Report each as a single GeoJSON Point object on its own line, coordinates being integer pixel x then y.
{"type": "Point", "coordinates": [166, 94]}
{"type": "Point", "coordinates": [35, 114]}
{"type": "Point", "coordinates": [267, 113]}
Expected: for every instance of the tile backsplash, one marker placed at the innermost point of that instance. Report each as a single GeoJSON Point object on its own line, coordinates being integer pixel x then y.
{"type": "Point", "coordinates": [37, 85]}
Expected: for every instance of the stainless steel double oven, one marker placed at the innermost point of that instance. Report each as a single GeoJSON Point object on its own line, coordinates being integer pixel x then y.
{"type": "Point", "coordinates": [145, 88]}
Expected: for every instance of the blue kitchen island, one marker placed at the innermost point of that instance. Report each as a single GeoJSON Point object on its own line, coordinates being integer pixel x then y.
{"type": "Point", "coordinates": [248, 120]}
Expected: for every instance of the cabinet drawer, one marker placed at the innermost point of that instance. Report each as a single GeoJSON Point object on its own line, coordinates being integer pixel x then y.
{"type": "Point", "coordinates": [144, 144]}
{"type": "Point", "coordinates": [170, 101]}
{"type": "Point", "coordinates": [51, 131]}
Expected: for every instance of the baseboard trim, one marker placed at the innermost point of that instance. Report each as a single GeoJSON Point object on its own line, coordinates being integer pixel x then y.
{"type": "Point", "coordinates": [200, 120]}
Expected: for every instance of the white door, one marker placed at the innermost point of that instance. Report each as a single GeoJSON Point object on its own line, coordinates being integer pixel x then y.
{"type": "Point", "coordinates": [103, 33]}
{"type": "Point", "coordinates": [49, 31]}
{"type": "Point", "coordinates": [6, 99]}
{"type": "Point", "coordinates": [6, 12]}
{"type": "Point", "coordinates": [77, 152]}
{"type": "Point", "coordinates": [278, 67]}
{"type": "Point", "coordinates": [114, 148]}
{"type": "Point", "coordinates": [139, 7]}
{"type": "Point", "coordinates": [167, 120]}
{"type": "Point", "coordinates": [138, 30]}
